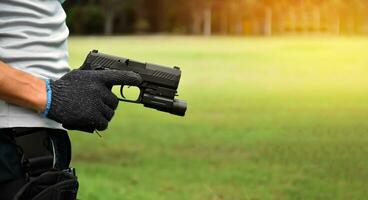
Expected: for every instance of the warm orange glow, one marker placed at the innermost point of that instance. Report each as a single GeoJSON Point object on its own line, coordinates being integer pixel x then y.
{"type": "Point", "coordinates": [269, 17]}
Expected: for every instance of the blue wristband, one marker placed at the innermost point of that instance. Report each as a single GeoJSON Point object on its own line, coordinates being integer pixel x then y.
{"type": "Point", "coordinates": [49, 95]}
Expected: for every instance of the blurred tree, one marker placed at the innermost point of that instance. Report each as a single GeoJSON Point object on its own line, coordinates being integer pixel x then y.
{"type": "Point", "coordinates": [268, 7]}
{"type": "Point", "coordinates": [207, 17]}
{"type": "Point", "coordinates": [84, 17]}
{"type": "Point", "coordinates": [112, 8]}
{"type": "Point", "coordinates": [201, 16]}
{"type": "Point", "coordinates": [196, 18]}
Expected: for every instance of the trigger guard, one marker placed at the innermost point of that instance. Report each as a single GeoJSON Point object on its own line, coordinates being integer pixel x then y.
{"type": "Point", "coordinates": [127, 100]}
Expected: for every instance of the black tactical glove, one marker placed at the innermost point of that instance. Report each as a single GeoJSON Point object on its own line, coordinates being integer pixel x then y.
{"type": "Point", "coordinates": [82, 100]}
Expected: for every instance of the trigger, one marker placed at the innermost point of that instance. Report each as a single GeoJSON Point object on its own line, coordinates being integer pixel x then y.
{"type": "Point", "coordinates": [122, 92]}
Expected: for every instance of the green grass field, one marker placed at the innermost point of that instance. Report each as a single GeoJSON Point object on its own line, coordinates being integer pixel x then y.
{"type": "Point", "coordinates": [268, 118]}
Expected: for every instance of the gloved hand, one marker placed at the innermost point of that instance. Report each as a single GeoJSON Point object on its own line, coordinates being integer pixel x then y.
{"type": "Point", "coordinates": [82, 99]}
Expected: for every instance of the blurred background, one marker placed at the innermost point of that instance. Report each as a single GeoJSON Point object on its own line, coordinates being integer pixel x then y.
{"type": "Point", "coordinates": [225, 17]}
{"type": "Point", "coordinates": [277, 94]}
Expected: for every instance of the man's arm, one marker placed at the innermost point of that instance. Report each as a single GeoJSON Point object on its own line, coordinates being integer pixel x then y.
{"type": "Point", "coordinates": [21, 88]}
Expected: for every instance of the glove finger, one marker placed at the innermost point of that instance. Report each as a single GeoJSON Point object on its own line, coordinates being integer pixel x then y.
{"type": "Point", "coordinates": [110, 99]}
{"type": "Point", "coordinates": [107, 112]}
{"type": "Point", "coordinates": [116, 77]}
{"type": "Point", "coordinates": [102, 124]}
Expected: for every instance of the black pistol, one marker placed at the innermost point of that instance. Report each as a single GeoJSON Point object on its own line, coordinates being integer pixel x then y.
{"type": "Point", "coordinates": [159, 84]}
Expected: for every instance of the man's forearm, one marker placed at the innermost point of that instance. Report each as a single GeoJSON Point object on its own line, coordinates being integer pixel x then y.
{"type": "Point", "coordinates": [23, 89]}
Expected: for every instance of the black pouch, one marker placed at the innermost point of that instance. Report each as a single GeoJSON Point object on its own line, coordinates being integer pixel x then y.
{"type": "Point", "coordinates": [51, 185]}
{"type": "Point", "coordinates": [44, 162]}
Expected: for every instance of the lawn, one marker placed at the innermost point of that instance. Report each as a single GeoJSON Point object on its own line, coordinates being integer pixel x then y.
{"type": "Point", "coordinates": [268, 118]}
